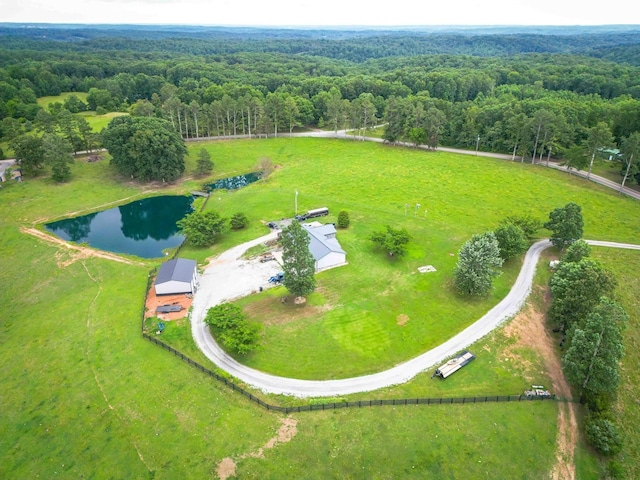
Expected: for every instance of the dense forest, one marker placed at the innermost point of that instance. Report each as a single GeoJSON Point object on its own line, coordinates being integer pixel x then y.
{"type": "Point", "coordinates": [533, 92]}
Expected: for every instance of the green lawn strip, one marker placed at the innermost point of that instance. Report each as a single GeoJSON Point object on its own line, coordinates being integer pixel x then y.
{"type": "Point", "coordinates": [461, 441]}
{"type": "Point", "coordinates": [624, 264]}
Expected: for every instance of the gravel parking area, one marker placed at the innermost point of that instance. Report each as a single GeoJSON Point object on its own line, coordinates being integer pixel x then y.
{"type": "Point", "coordinates": [228, 277]}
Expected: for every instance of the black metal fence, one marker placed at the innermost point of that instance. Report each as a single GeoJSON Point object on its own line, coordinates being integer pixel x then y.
{"type": "Point", "coordinates": [345, 404]}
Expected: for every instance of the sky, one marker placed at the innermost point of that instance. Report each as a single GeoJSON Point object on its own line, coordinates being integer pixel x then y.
{"type": "Point", "coordinates": [324, 12]}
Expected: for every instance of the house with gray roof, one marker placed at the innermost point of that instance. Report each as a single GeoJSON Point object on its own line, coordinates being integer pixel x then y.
{"type": "Point", "coordinates": [324, 246]}
{"type": "Point", "coordinates": [179, 275]}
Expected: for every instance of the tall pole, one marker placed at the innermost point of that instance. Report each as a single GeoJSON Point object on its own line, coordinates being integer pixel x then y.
{"type": "Point", "coordinates": [477, 144]}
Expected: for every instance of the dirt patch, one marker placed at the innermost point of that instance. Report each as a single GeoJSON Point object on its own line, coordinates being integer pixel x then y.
{"type": "Point", "coordinates": [289, 428]}
{"type": "Point", "coordinates": [79, 252]}
{"type": "Point", "coordinates": [154, 301]}
{"type": "Point", "coordinates": [402, 319]}
{"type": "Point", "coordinates": [226, 468]}
{"type": "Point", "coordinates": [529, 329]}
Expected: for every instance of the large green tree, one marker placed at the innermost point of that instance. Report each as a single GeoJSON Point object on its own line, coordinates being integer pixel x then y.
{"type": "Point", "coordinates": [298, 263]}
{"type": "Point", "coordinates": [478, 262]}
{"type": "Point", "coordinates": [393, 240]}
{"type": "Point", "coordinates": [229, 325]}
{"type": "Point", "coordinates": [202, 228]}
{"type": "Point", "coordinates": [512, 240]}
{"type": "Point", "coordinates": [30, 153]}
{"type": "Point", "coordinates": [576, 288]}
{"type": "Point", "coordinates": [145, 148]}
{"type": "Point", "coordinates": [204, 164]}
{"type": "Point", "coordinates": [58, 154]}
{"type": "Point", "coordinates": [566, 225]}
{"type": "Point", "coordinates": [596, 348]}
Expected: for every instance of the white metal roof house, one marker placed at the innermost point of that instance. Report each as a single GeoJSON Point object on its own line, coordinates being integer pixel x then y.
{"type": "Point", "coordinates": [177, 276]}
{"type": "Point", "coordinates": [324, 246]}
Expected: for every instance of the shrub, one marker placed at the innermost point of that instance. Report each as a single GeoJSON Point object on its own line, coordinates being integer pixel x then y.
{"type": "Point", "coordinates": [393, 240]}
{"type": "Point", "coordinates": [202, 228]}
{"type": "Point", "coordinates": [238, 221]}
{"type": "Point", "coordinates": [511, 240]}
{"type": "Point", "coordinates": [228, 324]}
{"type": "Point", "coordinates": [343, 219]}
{"type": "Point", "coordinates": [603, 435]}
{"type": "Point", "coordinates": [478, 262]}
{"type": "Point", "coordinates": [101, 111]}
{"type": "Point", "coordinates": [527, 223]}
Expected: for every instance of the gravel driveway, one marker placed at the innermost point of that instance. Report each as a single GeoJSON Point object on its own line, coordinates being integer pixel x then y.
{"type": "Point", "coordinates": [226, 278]}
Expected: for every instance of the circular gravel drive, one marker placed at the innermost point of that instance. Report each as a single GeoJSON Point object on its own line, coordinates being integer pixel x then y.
{"type": "Point", "coordinates": [227, 278]}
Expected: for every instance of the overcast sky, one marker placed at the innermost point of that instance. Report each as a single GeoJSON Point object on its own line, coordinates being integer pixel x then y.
{"type": "Point", "coordinates": [324, 12]}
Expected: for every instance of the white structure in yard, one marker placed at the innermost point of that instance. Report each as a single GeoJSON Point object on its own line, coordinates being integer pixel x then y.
{"type": "Point", "coordinates": [324, 246]}
{"type": "Point", "coordinates": [177, 276]}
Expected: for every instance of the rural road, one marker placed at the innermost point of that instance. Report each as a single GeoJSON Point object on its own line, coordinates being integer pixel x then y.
{"type": "Point", "coordinates": [216, 287]}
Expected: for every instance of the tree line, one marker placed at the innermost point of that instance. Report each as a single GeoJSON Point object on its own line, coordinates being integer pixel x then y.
{"type": "Point", "coordinates": [534, 106]}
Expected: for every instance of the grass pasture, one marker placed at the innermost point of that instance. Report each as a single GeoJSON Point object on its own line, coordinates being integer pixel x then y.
{"type": "Point", "coordinates": [44, 102]}
{"type": "Point", "coordinates": [84, 395]}
{"type": "Point", "coordinates": [354, 329]}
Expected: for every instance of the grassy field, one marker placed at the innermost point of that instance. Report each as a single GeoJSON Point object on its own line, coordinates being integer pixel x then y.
{"type": "Point", "coordinates": [85, 396]}
{"type": "Point", "coordinates": [97, 122]}
{"type": "Point", "coordinates": [352, 325]}
{"type": "Point", "coordinates": [45, 101]}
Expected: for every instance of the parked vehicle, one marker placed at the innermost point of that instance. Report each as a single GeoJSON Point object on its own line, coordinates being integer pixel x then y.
{"type": "Point", "coordinates": [277, 278]}
{"type": "Point", "coordinates": [318, 212]}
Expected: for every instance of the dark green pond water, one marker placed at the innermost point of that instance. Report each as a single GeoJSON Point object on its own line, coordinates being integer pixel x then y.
{"type": "Point", "coordinates": [143, 228]}
{"type": "Point", "coordinates": [233, 183]}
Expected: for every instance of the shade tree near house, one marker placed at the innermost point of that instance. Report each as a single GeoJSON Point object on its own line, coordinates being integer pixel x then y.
{"type": "Point", "coordinates": [478, 263]}
{"type": "Point", "coordinates": [298, 263]}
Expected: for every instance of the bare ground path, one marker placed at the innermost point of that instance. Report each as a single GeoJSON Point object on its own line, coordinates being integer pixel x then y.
{"type": "Point", "coordinates": [529, 329]}
{"type": "Point", "coordinates": [80, 251]}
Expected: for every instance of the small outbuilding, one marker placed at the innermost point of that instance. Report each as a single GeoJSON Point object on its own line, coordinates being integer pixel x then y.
{"type": "Point", "coordinates": [177, 276]}
{"type": "Point", "coordinates": [324, 246]}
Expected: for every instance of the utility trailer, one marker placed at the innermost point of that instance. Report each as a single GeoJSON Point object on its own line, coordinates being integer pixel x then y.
{"type": "Point", "coordinates": [318, 212]}
{"type": "Point", "coordinates": [454, 364]}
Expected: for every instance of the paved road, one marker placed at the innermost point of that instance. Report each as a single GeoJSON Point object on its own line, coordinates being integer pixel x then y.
{"type": "Point", "coordinates": [216, 288]}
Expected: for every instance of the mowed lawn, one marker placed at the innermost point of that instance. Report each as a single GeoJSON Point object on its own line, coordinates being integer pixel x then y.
{"type": "Point", "coordinates": [84, 396]}
{"type": "Point", "coordinates": [350, 326]}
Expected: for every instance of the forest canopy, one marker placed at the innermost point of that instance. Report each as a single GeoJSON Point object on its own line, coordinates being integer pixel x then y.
{"type": "Point", "coordinates": [534, 93]}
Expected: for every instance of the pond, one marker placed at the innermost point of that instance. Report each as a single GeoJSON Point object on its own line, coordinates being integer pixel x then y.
{"type": "Point", "coordinates": [143, 228]}
{"type": "Point", "coordinates": [234, 183]}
